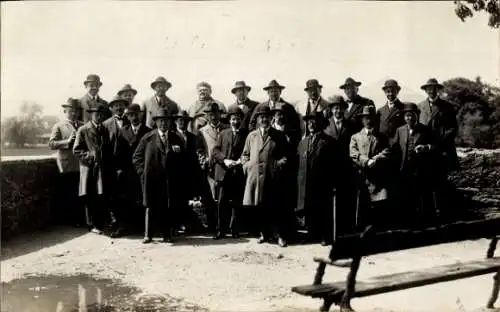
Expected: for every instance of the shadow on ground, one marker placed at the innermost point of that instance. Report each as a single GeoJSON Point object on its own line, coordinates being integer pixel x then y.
{"type": "Point", "coordinates": [83, 293]}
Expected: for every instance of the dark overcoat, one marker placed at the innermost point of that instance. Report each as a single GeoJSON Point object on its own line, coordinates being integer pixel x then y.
{"type": "Point", "coordinates": [229, 146]}
{"type": "Point", "coordinates": [121, 148]}
{"type": "Point", "coordinates": [351, 115]}
{"type": "Point", "coordinates": [389, 119]}
{"type": "Point", "coordinates": [132, 138]}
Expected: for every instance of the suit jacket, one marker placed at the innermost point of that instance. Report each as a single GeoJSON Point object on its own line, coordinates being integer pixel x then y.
{"type": "Point", "coordinates": [86, 102]}
{"type": "Point", "coordinates": [151, 107]}
{"type": "Point", "coordinates": [390, 119]}
{"type": "Point", "coordinates": [133, 139]}
{"type": "Point", "coordinates": [292, 117]}
{"type": "Point", "coordinates": [121, 148]}
{"type": "Point", "coordinates": [260, 158]}
{"type": "Point", "coordinates": [95, 152]}
{"type": "Point", "coordinates": [352, 115]}
{"type": "Point", "coordinates": [248, 109]}
{"type": "Point", "coordinates": [229, 146]}
{"type": "Point", "coordinates": [305, 108]}
{"type": "Point", "coordinates": [344, 169]}
{"type": "Point", "coordinates": [193, 149]}
{"type": "Point", "coordinates": [59, 140]}
{"type": "Point", "coordinates": [208, 139]}
{"type": "Point", "coordinates": [196, 111]}
{"type": "Point", "coordinates": [408, 160]}
{"type": "Point", "coordinates": [442, 121]}
{"type": "Point", "coordinates": [160, 169]}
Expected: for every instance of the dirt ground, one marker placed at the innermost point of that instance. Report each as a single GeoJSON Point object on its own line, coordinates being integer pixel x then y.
{"type": "Point", "coordinates": [240, 275]}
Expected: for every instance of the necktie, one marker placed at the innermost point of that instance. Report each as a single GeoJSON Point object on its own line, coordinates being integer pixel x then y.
{"type": "Point", "coordinates": [312, 142]}
{"type": "Point", "coordinates": [338, 123]}
{"type": "Point", "coordinates": [135, 130]}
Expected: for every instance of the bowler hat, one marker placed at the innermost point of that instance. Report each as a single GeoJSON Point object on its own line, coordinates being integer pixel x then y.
{"type": "Point", "coordinates": [432, 82]}
{"type": "Point", "coordinates": [314, 115]}
{"type": "Point", "coordinates": [212, 108]}
{"type": "Point", "coordinates": [391, 83]}
{"type": "Point", "coordinates": [126, 88]}
{"type": "Point", "coordinates": [312, 83]}
{"type": "Point", "coordinates": [72, 103]}
{"type": "Point", "coordinates": [183, 114]}
{"type": "Point", "coordinates": [262, 110]}
{"type": "Point", "coordinates": [234, 110]}
{"type": "Point", "coordinates": [93, 78]}
{"type": "Point", "coordinates": [117, 100]}
{"type": "Point", "coordinates": [161, 80]}
{"type": "Point", "coordinates": [162, 113]}
{"type": "Point", "coordinates": [410, 107]}
{"type": "Point", "coordinates": [337, 100]}
{"type": "Point", "coordinates": [240, 85]}
{"type": "Point", "coordinates": [350, 82]}
{"type": "Point", "coordinates": [368, 110]}
{"type": "Point", "coordinates": [134, 108]}
{"type": "Point", "coordinates": [273, 84]}
{"type": "Point", "coordinates": [98, 107]}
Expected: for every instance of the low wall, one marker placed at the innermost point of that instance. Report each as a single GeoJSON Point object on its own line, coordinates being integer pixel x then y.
{"type": "Point", "coordinates": [26, 189]}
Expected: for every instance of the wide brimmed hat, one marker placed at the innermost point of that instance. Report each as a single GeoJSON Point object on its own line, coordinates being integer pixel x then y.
{"type": "Point", "coordinates": [126, 88]}
{"type": "Point", "coordinates": [410, 107]}
{"type": "Point", "coordinates": [337, 100]}
{"type": "Point", "coordinates": [368, 110]}
{"type": "Point", "coordinates": [134, 108]}
{"type": "Point", "coordinates": [262, 110]}
{"type": "Point", "coordinates": [234, 110]}
{"type": "Point", "coordinates": [314, 115]}
{"type": "Point", "coordinates": [240, 85]}
{"type": "Point", "coordinates": [312, 83]}
{"type": "Point", "coordinates": [72, 103]}
{"type": "Point", "coordinates": [98, 107]}
{"type": "Point", "coordinates": [92, 78]}
{"type": "Point", "coordinates": [212, 108]}
{"type": "Point", "coordinates": [273, 84]}
{"type": "Point", "coordinates": [350, 82]}
{"type": "Point", "coordinates": [391, 83]}
{"type": "Point", "coordinates": [162, 113]}
{"type": "Point", "coordinates": [161, 80]}
{"type": "Point", "coordinates": [117, 100]}
{"type": "Point", "coordinates": [183, 114]}
{"type": "Point", "coordinates": [432, 82]}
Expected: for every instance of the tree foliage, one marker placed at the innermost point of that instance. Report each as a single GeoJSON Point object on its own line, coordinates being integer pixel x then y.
{"type": "Point", "coordinates": [25, 127]}
{"type": "Point", "coordinates": [465, 9]}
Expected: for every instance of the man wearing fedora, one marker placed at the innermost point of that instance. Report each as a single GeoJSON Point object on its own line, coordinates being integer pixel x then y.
{"type": "Point", "coordinates": [390, 116]}
{"type": "Point", "coordinates": [241, 90]}
{"type": "Point", "coordinates": [62, 138]}
{"type": "Point", "coordinates": [196, 110]}
{"type": "Point", "coordinates": [355, 102]}
{"type": "Point", "coordinates": [97, 169]}
{"type": "Point", "coordinates": [158, 101]}
{"type": "Point", "coordinates": [274, 90]}
{"type": "Point", "coordinates": [412, 146]}
{"type": "Point", "coordinates": [91, 98]}
{"type": "Point", "coordinates": [229, 177]}
{"type": "Point", "coordinates": [158, 160]}
{"type": "Point", "coordinates": [314, 179]}
{"type": "Point", "coordinates": [127, 93]}
{"type": "Point", "coordinates": [120, 203]}
{"type": "Point", "coordinates": [344, 201]}
{"type": "Point", "coordinates": [314, 103]}
{"type": "Point", "coordinates": [264, 156]}
{"type": "Point", "coordinates": [134, 129]}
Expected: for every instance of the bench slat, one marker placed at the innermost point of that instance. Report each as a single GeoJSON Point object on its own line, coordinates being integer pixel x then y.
{"type": "Point", "coordinates": [399, 281]}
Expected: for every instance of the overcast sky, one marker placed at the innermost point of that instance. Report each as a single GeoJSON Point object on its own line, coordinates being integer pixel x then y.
{"type": "Point", "coordinates": [48, 48]}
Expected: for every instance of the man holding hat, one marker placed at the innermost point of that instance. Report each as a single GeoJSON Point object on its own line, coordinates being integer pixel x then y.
{"type": "Point", "coordinates": [264, 157]}
{"type": "Point", "coordinates": [62, 138]}
{"type": "Point", "coordinates": [127, 93]}
{"type": "Point", "coordinates": [158, 160]}
{"type": "Point", "coordinates": [230, 181]}
{"type": "Point", "coordinates": [315, 178]}
{"type": "Point", "coordinates": [241, 90]}
{"type": "Point", "coordinates": [97, 167]}
{"type": "Point", "coordinates": [274, 90]}
{"type": "Point", "coordinates": [314, 102]}
{"type": "Point", "coordinates": [390, 116]}
{"type": "Point", "coordinates": [159, 101]}
{"type": "Point", "coordinates": [355, 103]}
{"type": "Point", "coordinates": [91, 98]}
{"type": "Point", "coordinates": [204, 100]}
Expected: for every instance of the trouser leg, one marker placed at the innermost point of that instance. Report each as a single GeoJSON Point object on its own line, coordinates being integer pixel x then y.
{"type": "Point", "coordinates": [223, 206]}
{"type": "Point", "coordinates": [95, 210]}
{"type": "Point", "coordinates": [148, 222]}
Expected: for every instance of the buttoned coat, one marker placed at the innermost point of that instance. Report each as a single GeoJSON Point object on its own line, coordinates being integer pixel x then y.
{"type": "Point", "coordinates": [342, 138]}
{"type": "Point", "coordinates": [59, 140]}
{"type": "Point", "coordinates": [229, 146]}
{"type": "Point", "coordinates": [86, 102]}
{"type": "Point", "coordinates": [390, 119]}
{"type": "Point", "coordinates": [351, 115]}
{"type": "Point", "coordinates": [97, 166]}
{"type": "Point", "coordinates": [399, 147]}
{"type": "Point", "coordinates": [193, 150]}
{"type": "Point", "coordinates": [133, 139]}
{"type": "Point", "coordinates": [260, 158]}
{"type": "Point", "coordinates": [248, 109]}
{"type": "Point", "coordinates": [151, 107]}
{"type": "Point", "coordinates": [292, 118]}
{"type": "Point", "coordinates": [121, 148]}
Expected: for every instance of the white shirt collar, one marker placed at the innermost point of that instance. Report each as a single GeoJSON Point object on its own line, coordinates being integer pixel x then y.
{"type": "Point", "coordinates": [278, 127]}
{"type": "Point", "coordinates": [368, 131]}
{"type": "Point", "coordinates": [162, 134]}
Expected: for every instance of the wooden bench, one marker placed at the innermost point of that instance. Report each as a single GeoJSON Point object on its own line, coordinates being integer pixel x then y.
{"type": "Point", "coordinates": [356, 246]}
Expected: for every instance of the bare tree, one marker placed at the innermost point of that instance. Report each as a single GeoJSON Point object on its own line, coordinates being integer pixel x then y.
{"type": "Point", "coordinates": [464, 9]}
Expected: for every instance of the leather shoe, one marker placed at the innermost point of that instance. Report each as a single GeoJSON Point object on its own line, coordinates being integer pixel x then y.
{"type": "Point", "coordinates": [235, 235]}
{"type": "Point", "coordinates": [282, 242]}
{"type": "Point", "coordinates": [147, 240]}
{"type": "Point", "coordinates": [219, 235]}
{"type": "Point", "coordinates": [96, 231]}
{"type": "Point", "coordinates": [117, 233]}
{"type": "Point", "coordinates": [261, 240]}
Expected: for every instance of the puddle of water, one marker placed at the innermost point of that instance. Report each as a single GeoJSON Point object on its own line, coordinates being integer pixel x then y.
{"type": "Point", "coordinates": [82, 293]}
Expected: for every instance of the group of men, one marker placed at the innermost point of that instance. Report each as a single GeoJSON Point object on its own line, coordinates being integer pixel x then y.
{"type": "Point", "coordinates": [336, 164]}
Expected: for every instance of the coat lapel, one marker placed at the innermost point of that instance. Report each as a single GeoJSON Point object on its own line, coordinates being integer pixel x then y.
{"type": "Point", "coordinates": [264, 140]}
{"type": "Point", "coordinates": [159, 143]}
{"type": "Point", "coordinates": [354, 110]}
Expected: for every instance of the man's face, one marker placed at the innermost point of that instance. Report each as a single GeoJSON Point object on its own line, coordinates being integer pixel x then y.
{"type": "Point", "coordinates": [71, 113]}
{"type": "Point", "coordinates": [312, 125]}
{"type": "Point", "coordinates": [133, 118]}
{"type": "Point", "coordinates": [235, 121]}
{"type": "Point", "coordinates": [118, 108]}
{"type": "Point", "coordinates": [160, 89]}
{"type": "Point", "coordinates": [351, 91]}
{"type": "Point", "coordinates": [163, 124]}
{"type": "Point", "coordinates": [314, 93]}
{"type": "Point", "coordinates": [338, 111]}
{"type": "Point", "coordinates": [204, 93]}
{"type": "Point", "coordinates": [98, 117]}
{"type": "Point", "coordinates": [410, 118]}
{"type": "Point", "coordinates": [279, 117]}
{"type": "Point", "coordinates": [181, 124]}
{"type": "Point", "coordinates": [92, 88]}
{"type": "Point", "coordinates": [264, 120]}
{"type": "Point", "coordinates": [241, 94]}
{"type": "Point", "coordinates": [274, 93]}
{"type": "Point", "coordinates": [213, 117]}
{"type": "Point", "coordinates": [391, 93]}
{"type": "Point", "coordinates": [367, 121]}
{"type": "Point", "coordinates": [128, 96]}
{"type": "Point", "coordinates": [431, 91]}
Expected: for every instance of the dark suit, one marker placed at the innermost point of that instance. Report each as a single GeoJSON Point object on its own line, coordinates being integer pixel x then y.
{"type": "Point", "coordinates": [160, 169]}
{"type": "Point", "coordinates": [134, 138]}
{"type": "Point", "coordinates": [86, 101]}
{"type": "Point", "coordinates": [248, 109]}
{"type": "Point", "coordinates": [230, 181]}
{"type": "Point", "coordinates": [357, 107]}
{"type": "Point", "coordinates": [390, 119]}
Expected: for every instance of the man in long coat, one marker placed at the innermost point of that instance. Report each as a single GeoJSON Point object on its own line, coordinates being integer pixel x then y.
{"type": "Point", "coordinates": [62, 138]}
{"type": "Point", "coordinates": [241, 90]}
{"type": "Point", "coordinates": [229, 177]}
{"type": "Point", "coordinates": [390, 116]}
{"type": "Point", "coordinates": [159, 101]}
{"type": "Point", "coordinates": [158, 161]}
{"type": "Point", "coordinates": [355, 103]}
{"type": "Point", "coordinates": [314, 103]}
{"type": "Point", "coordinates": [314, 179]}
{"type": "Point", "coordinates": [97, 167]}
{"type": "Point", "coordinates": [265, 153]}
{"type": "Point", "coordinates": [197, 108]}
{"type": "Point", "coordinates": [91, 98]}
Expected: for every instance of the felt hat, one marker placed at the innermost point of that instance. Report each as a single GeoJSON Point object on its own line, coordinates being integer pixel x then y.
{"type": "Point", "coordinates": [234, 110]}
{"type": "Point", "coordinates": [162, 113]}
{"type": "Point", "coordinates": [126, 88]}
{"type": "Point", "coordinates": [98, 107]}
{"type": "Point", "coordinates": [133, 108]}
{"type": "Point", "coordinates": [368, 110]}
{"type": "Point", "coordinates": [410, 107]}
{"type": "Point", "coordinates": [240, 85]}
{"type": "Point", "coordinates": [335, 100]}
{"type": "Point", "coordinates": [312, 83]}
{"type": "Point", "coordinates": [262, 110]}
{"type": "Point", "coordinates": [117, 100]}
{"type": "Point", "coordinates": [391, 83]}
{"type": "Point", "coordinates": [212, 108]}
{"type": "Point", "coordinates": [183, 114]}
{"type": "Point", "coordinates": [273, 84]}
{"type": "Point", "coordinates": [92, 78]}
{"type": "Point", "coordinates": [432, 82]}
{"type": "Point", "coordinates": [161, 80]}
{"type": "Point", "coordinates": [72, 103]}
{"type": "Point", "coordinates": [350, 82]}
